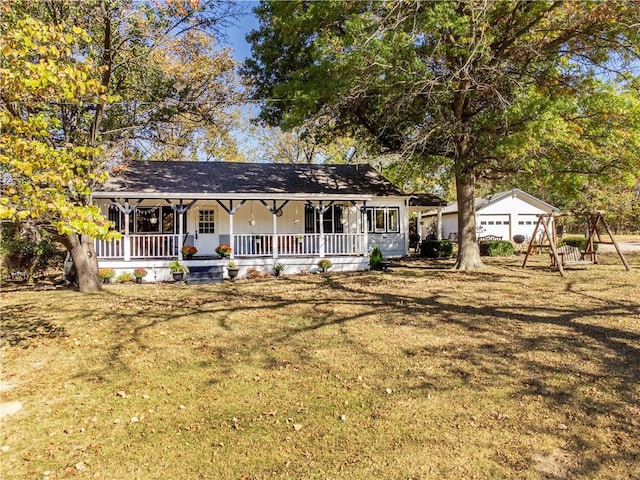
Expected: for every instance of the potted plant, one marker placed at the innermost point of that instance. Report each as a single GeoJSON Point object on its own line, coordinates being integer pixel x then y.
{"type": "Point", "coordinates": [178, 269]}
{"type": "Point", "coordinates": [124, 277]}
{"type": "Point", "coordinates": [139, 274]}
{"type": "Point", "coordinates": [106, 274]}
{"type": "Point", "coordinates": [223, 250]}
{"type": "Point", "coordinates": [278, 268]}
{"type": "Point", "coordinates": [188, 251]}
{"type": "Point", "coordinates": [324, 264]}
{"type": "Point", "coordinates": [232, 270]}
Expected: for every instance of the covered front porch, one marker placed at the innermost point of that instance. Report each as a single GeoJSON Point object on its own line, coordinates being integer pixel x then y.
{"type": "Point", "coordinates": [295, 233]}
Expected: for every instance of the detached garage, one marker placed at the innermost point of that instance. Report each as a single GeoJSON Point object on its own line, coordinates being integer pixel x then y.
{"type": "Point", "coordinates": [505, 214]}
{"type": "Point", "coordinates": [499, 225]}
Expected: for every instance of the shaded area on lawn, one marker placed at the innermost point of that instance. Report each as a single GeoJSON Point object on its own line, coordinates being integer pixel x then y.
{"type": "Point", "coordinates": [506, 367]}
{"type": "Point", "coordinates": [23, 328]}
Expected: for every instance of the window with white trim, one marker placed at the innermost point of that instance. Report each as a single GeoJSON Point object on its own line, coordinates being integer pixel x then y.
{"type": "Point", "coordinates": [383, 219]}
{"type": "Point", "coordinates": [206, 221]}
{"type": "Point", "coordinates": [333, 219]}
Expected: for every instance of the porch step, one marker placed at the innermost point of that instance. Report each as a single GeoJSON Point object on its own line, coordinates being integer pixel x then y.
{"type": "Point", "coordinates": [202, 275]}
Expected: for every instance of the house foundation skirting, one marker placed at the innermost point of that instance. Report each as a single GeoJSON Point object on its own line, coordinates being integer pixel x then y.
{"type": "Point", "coordinates": [158, 269]}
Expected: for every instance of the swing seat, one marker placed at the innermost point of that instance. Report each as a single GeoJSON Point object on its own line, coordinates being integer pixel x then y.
{"type": "Point", "coordinates": [569, 255]}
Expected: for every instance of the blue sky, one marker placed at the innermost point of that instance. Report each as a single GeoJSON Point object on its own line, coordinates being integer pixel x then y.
{"type": "Point", "coordinates": [236, 34]}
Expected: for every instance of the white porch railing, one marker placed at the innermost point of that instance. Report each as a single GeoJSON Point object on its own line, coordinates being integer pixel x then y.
{"type": "Point", "coordinates": [291, 244]}
{"type": "Point", "coordinates": [247, 245]}
{"type": "Point", "coordinates": [109, 248]}
{"type": "Point", "coordinates": [142, 246]}
{"type": "Point", "coordinates": [244, 245]}
{"type": "Point", "coordinates": [344, 244]}
{"type": "Point", "coordinates": [155, 246]}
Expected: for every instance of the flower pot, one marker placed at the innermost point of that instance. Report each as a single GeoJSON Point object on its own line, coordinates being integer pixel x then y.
{"type": "Point", "coordinates": [106, 280]}
{"type": "Point", "coordinates": [188, 257]}
{"type": "Point", "coordinates": [138, 279]}
{"type": "Point", "coordinates": [178, 276]}
{"type": "Point", "coordinates": [233, 273]}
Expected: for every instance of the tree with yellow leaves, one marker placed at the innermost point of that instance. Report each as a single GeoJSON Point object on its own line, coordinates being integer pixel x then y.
{"type": "Point", "coordinates": [46, 178]}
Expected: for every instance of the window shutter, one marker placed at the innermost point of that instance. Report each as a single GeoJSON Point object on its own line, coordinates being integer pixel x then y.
{"type": "Point", "coordinates": [338, 227]}
{"type": "Point", "coordinates": [114, 216]}
{"type": "Point", "coordinates": [309, 219]}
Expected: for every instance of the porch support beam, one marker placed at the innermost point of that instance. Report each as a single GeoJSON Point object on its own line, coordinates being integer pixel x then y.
{"type": "Point", "coordinates": [127, 209]}
{"type": "Point", "coordinates": [275, 233]}
{"type": "Point", "coordinates": [365, 228]}
{"type": "Point", "coordinates": [361, 224]}
{"type": "Point", "coordinates": [275, 210]}
{"type": "Point", "coordinates": [322, 209]}
{"type": "Point", "coordinates": [405, 226]}
{"type": "Point", "coordinates": [180, 209]}
{"type": "Point", "coordinates": [231, 210]}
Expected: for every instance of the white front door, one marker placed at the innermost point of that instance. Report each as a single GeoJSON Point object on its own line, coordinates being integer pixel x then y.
{"type": "Point", "coordinates": [206, 238]}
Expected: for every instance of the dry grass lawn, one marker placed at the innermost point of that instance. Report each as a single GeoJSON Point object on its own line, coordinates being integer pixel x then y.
{"type": "Point", "coordinates": [419, 373]}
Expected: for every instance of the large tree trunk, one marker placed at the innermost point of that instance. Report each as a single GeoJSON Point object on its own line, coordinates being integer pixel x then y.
{"type": "Point", "coordinates": [468, 249]}
{"type": "Point", "coordinates": [85, 261]}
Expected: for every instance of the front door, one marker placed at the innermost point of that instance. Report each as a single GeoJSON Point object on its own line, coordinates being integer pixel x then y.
{"type": "Point", "coordinates": [206, 238]}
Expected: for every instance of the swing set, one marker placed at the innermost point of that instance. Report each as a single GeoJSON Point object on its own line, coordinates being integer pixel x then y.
{"type": "Point", "coordinates": [544, 236]}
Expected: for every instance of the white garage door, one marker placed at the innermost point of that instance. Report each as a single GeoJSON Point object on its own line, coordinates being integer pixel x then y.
{"type": "Point", "coordinates": [494, 225]}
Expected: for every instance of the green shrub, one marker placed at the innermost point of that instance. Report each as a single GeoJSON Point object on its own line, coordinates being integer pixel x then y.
{"type": "Point", "coordinates": [106, 273]}
{"type": "Point", "coordinates": [580, 242]}
{"type": "Point", "coordinates": [31, 251]}
{"type": "Point", "coordinates": [376, 258]}
{"type": "Point", "coordinates": [324, 264]}
{"type": "Point", "coordinates": [496, 248]}
{"type": "Point", "coordinates": [125, 277]}
{"type": "Point", "coordinates": [436, 248]}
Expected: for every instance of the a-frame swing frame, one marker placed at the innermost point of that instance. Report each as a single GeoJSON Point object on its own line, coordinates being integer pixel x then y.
{"type": "Point", "coordinates": [547, 237]}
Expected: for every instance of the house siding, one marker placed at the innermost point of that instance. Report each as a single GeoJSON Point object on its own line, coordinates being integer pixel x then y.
{"type": "Point", "coordinates": [509, 216]}
{"type": "Point", "coordinates": [392, 245]}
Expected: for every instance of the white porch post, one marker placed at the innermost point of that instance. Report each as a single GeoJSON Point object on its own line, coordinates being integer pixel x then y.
{"type": "Point", "coordinates": [180, 233]}
{"type": "Point", "coordinates": [405, 226]}
{"type": "Point", "coordinates": [231, 239]}
{"type": "Point", "coordinates": [322, 240]}
{"type": "Point", "coordinates": [365, 228]}
{"type": "Point", "coordinates": [439, 224]}
{"type": "Point", "coordinates": [126, 209]}
{"type": "Point", "coordinates": [274, 211]}
{"type": "Point", "coordinates": [275, 235]}
{"type": "Point", "coordinates": [181, 209]}
{"type": "Point", "coordinates": [127, 238]}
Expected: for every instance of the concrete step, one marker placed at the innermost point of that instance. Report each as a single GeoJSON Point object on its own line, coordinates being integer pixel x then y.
{"type": "Point", "coordinates": [202, 275]}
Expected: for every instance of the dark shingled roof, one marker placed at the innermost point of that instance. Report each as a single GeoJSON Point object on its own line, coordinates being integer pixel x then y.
{"type": "Point", "coordinates": [425, 200]}
{"type": "Point", "coordinates": [210, 178]}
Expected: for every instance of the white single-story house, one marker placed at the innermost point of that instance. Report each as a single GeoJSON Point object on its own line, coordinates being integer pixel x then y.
{"type": "Point", "coordinates": [292, 214]}
{"type": "Point", "coordinates": [503, 215]}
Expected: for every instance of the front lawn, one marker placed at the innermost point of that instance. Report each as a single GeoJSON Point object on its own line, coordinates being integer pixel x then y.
{"type": "Point", "coordinates": [415, 373]}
